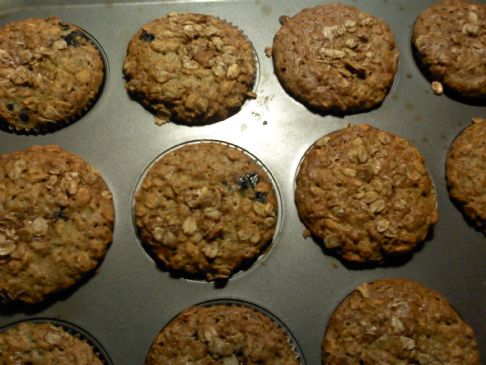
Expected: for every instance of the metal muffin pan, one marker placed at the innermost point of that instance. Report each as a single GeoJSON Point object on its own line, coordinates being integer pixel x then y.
{"type": "Point", "coordinates": [129, 300]}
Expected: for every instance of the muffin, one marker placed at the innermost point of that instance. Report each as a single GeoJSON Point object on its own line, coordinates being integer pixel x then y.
{"type": "Point", "coordinates": [190, 68]}
{"type": "Point", "coordinates": [395, 321]}
{"type": "Point", "coordinates": [56, 222]}
{"type": "Point", "coordinates": [45, 343]}
{"type": "Point", "coordinates": [449, 40]}
{"type": "Point", "coordinates": [51, 73]}
{"type": "Point", "coordinates": [466, 172]}
{"type": "Point", "coordinates": [222, 334]}
{"type": "Point", "coordinates": [366, 194]}
{"type": "Point", "coordinates": [335, 58]}
{"type": "Point", "coordinates": [206, 210]}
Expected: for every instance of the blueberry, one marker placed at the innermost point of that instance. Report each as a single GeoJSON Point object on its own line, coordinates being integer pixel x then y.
{"type": "Point", "coordinates": [60, 214]}
{"type": "Point", "coordinates": [75, 38]}
{"type": "Point", "coordinates": [249, 180]}
{"type": "Point", "coordinates": [261, 196]}
{"type": "Point", "coordinates": [10, 107]}
{"type": "Point", "coordinates": [147, 37]}
{"type": "Point", "coordinates": [24, 115]}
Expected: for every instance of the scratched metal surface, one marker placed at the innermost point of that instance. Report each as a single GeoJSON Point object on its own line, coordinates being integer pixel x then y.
{"type": "Point", "coordinates": [129, 300]}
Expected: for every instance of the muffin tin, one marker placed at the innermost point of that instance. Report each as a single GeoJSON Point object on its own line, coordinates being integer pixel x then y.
{"type": "Point", "coordinates": [130, 299]}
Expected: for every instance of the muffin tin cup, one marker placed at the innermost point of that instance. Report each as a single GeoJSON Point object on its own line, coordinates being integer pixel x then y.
{"type": "Point", "coordinates": [247, 266]}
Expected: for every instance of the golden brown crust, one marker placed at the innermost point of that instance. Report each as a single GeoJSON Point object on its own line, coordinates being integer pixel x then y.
{"type": "Point", "coordinates": [206, 209]}
{"type": "Point", "coordinates": [44, 343]}
{"type": "Point", "coordinates": [50, 73]}
{"type": "Point", "coordinates": [222, 334]}
{"type": "Point", "coordinates": [335, 58]}
{"type": "Point", "coordinates": [466, 171]}
{"type": "Point", "coordinates": [394, 321]}
{"type": "Point", "coordinates": [450, 40]}
{"type": "Point", "coordinates": [366, 193]}
{"type": "Point", "coordinates": [56, 222]}
{"type": "Point", "coordinates": [190, 68]}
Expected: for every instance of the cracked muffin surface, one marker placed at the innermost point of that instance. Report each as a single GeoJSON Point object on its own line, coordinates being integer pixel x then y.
{"type": "Point", "coordinates": [449, 38]}
{"type": "Point", "coordinates": [222, 334]}
{"type": "Point", "coordinates": [206, 209]}
{"type": "Point", "coordinates": [190, 68]}
{"type": "Point", "coordinates": [50, 74]}
{"type": "Point", "coordinates": [44, 343]}
{"type": "Point", "coordinates": [56, 222]}
{"type": "Point", "coordinates": [466, 171]}
{"type": "Point", "coordinates": [393, 321]}
{"type": "Point", "coordinates": [366, 193]}
{"type": "Point", "coordinates": [335, 58]}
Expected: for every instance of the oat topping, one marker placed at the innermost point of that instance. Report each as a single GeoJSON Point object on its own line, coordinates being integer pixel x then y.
{"type": "Point", "coordinates": [206, 209]}
{"type": "Point", "coordinates": [335, 58]}
{"type": "Point", "coordinates": [190, 68]}
{"type": "Point", "coordinates": [366, 193]}
{"type": "Point", "coordinates": [397, 322]}
{"type": "Point", "coordinates": [222, 334]}
{"type": "Point", "coordinates": [44, 343]}
{"type": "Point", "coordinates": [450, 39]}
{"type": "Point", "coordinates": [50, 72]}
{"type": "Point", "coordinates": [466, 171]}
{"type": "Point", "coordinates": [56, 222]}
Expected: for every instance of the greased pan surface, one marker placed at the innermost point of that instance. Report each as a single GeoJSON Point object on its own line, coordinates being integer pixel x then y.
{"type": "Point", "coordinates": [130, 299]}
